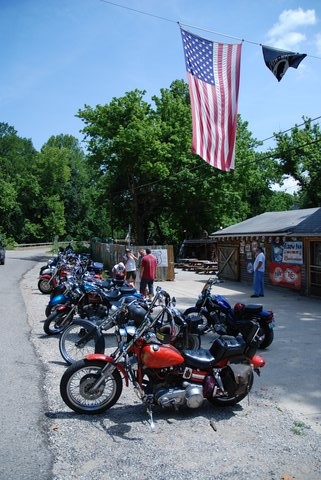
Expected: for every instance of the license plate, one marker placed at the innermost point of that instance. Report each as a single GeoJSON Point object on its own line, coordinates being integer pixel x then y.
{"type": "Point", "coordinates": [272, 324]}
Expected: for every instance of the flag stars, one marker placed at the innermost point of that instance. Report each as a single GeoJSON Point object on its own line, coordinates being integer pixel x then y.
{"type": "Point", "coordinates": [198, 57]}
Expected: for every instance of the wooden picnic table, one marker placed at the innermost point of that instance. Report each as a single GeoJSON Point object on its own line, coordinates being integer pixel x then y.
{"type": "Point", "coordinates": [191, 263]}
{"type": "Point", "coordinates": [207, 266]}
{"type": "Point", "coordinates": [199, 266]}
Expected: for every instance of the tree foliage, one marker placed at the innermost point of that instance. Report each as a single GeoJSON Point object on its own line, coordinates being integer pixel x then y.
{"type": "Point", "coordinates": [153, 182]}
{"type": "Point", "coordinates": [299, 154]}
{"type": "Point", "coordinates": [138, 171]}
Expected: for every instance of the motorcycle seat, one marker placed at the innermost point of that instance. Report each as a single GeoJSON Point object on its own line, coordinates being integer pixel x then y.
{"type": "Point", "coordinates": [199, 358]}
{"type": "Point", "coordinates": [253, 308]}
{"type": "Point", "coordinates": [128, 290]}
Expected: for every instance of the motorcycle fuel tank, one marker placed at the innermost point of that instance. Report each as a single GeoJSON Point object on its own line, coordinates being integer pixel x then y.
{"type": "Point", "coordinates": [58, 299]}
{"type": "Point", "coordinates": [161, 356]}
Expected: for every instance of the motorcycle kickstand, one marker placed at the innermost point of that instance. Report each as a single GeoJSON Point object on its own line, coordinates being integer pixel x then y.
{"type": "Point", "coordinates": [150, 413]}
{"type": "Point", "coordinates": [148, 401]}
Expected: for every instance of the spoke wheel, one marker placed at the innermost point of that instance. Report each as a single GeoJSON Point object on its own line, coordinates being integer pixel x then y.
{"type": "Point", "coordinates": [76, 387]}
{"type": "Point", "coordinates": [56, 322]}
{"type": "Point", "coordinates": [45, 286]}
{"type": "Point", "coordinates": [70, 351]}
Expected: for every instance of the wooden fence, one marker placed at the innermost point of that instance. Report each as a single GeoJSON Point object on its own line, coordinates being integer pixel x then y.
{"type": "Point", "coordinates": [110, 254]}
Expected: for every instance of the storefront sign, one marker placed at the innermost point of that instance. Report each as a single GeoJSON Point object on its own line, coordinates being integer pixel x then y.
{"type": "Point", "coordinates": [293, 252]}
{"type": "Point", "coordinates": [285, 275]}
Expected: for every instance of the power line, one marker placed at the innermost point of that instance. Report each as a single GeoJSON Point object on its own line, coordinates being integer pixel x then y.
{"type": "Point", "coordinates": [289, 129]}
{"type": "Point", "coordinates": [271, 154]}
{"type": "Point", "coordinates": [141, 12]}
{"type": "Point", "coordinates": [138, 11]}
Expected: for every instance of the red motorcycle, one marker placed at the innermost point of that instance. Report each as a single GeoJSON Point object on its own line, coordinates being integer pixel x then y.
{"type": "Point", "coordinates": [52, 276]}
{"type": "Point", "coordinates": [161, 374]}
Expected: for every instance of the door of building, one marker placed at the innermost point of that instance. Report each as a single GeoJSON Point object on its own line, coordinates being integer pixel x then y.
{"type": "Point", "coordinates": [315, 268]}
{"type": "Point", "coordinates": [228, 261]}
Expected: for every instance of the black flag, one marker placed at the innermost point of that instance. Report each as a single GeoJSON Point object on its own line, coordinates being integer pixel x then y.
{"type": "Point", "coordinates": [278, 61]}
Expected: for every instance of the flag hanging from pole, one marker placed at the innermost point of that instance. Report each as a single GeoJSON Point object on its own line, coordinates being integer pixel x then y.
{"type": "Point", "coordinates": [278, 61]}
{"type": "Point", "coordinates": [213, 72]}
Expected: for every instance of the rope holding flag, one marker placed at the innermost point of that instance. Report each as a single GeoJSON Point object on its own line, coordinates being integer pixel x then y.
{"type": "Point", "coordinates": [213, 72]}
{"type": "Point", "coordinates": [278, 61]}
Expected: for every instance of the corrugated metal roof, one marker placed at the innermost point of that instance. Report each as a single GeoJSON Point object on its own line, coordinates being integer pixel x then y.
{"type": "Point", "coordinates": [303, 221]}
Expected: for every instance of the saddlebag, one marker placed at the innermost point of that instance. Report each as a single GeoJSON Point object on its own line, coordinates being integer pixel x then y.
{"type": "Point", "coordinates": [227, 346]}
{"type": "Point", "coordinates": [236, 378]}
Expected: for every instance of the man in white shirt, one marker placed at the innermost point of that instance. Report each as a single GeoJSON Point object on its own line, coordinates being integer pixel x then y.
{"type": "Point", "coordinates": [259, 269]}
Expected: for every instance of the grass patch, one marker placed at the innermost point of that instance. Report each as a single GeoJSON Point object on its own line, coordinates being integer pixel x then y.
{"type": "Point", "coordinates": [299, 427]}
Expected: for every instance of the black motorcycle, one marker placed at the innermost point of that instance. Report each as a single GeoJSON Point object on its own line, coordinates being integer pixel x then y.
{"type": "Point", "coordinates": [84, 336]}
{"type": "Point", "coordinates": [220, 317]}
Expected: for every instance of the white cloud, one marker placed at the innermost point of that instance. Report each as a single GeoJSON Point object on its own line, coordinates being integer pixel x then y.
{"type": "Point", "coordinates": [289, 185]}
{"type": "Point", "coordinates": [289, 41]}
{"type": "Point", "coordinates": [285, 34]}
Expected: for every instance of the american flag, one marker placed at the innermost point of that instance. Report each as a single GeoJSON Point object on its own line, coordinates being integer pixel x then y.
{"type": "Point", "coordinates": [213, 71]}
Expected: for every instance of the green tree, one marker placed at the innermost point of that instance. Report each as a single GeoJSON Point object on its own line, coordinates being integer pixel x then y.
{"type": "Point", "coordinates": [71, 178]}
{"type": "Point", "coordinates": [152, 180]}
{"type": "Point", "coordinates": [299, 155]}
{"type": "Point", "coordinates": [18, 183]}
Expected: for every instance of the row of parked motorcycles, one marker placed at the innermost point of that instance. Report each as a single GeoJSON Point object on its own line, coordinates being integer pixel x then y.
{"type": "Point", "coordinates": [155, 347]}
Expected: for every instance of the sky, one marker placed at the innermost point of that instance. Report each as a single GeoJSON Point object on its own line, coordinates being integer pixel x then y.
{"type": "Point", "coordinates": [59, 55]}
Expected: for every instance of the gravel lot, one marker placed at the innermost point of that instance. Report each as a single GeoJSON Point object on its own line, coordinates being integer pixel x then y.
{"type": "Point", "coordinates": [254, 440]}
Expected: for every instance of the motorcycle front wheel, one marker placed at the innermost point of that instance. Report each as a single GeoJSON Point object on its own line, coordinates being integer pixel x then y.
{"type": "Point", "coordinates": [45, 285]}
{"type": "Point", "coordinates": [49, 309]}
{"type": "Point", "coordinates": [76, 387]}
{"type": "Point", "coordinates": [71, 346]}
{"type": "Point", "coordinates": [230, 401]}
{"type": "Point", "coordinates": [56, 322]}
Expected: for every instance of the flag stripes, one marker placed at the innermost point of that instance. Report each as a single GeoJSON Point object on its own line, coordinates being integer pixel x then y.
{"type": "Point", "coordinates": [214, 98]}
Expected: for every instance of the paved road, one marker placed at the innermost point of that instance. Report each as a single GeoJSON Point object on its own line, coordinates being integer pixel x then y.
{"type": "Point", "coordinates": [24, 451]}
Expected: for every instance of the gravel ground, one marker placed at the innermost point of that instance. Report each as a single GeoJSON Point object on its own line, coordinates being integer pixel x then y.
{"type": "Point", "coordinates": [254, 440]}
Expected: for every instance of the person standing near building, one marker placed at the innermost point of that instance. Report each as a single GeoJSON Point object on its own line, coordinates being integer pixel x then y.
{"type": "Point", "coordinates": [130, 264]}
{"type": "Point", "coordinates": [259, 269]}
{"type": "Point", "coordinates": [148, 273]}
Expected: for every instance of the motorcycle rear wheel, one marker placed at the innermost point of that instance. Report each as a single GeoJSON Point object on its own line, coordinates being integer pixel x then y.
{"type": "Point", "coordinates": [268, 336]}
{"type": "Point", "coordinates": [230, 401]}
{"type": "Point", "coordinates": [69, 351]}
{"type": "Point", "coordinates": [76, 383]}
{"type": "Point", "coordinates": [55, 324]}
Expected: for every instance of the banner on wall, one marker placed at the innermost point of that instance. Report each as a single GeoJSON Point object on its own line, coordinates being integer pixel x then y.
{"type": "Point", "coordinates": [293, 252]}
{"type": "Point", "coordinates": [288, 252]}
{"type": "Point", "coordinates": [285, 275]}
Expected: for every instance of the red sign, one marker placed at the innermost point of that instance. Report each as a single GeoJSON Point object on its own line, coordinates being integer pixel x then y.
{"type": "Point", "coordinates": [285, 275]}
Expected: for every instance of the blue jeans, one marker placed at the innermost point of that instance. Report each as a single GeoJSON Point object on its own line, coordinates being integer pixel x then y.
{"type": "Point", "coordinates": [147, 283]}
{"type": "Point", "coordinates": [259, 283]}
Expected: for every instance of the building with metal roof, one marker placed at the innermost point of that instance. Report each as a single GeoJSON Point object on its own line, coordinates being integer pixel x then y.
{"type": "Point", "coordinates": [292, 244]}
